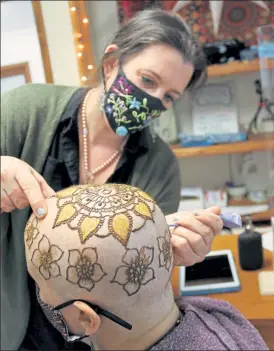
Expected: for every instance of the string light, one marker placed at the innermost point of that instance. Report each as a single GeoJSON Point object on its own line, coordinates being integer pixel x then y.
{"type": "Point", "coordinates": [80, 22]}
{"type": "Point", "coordinates": [78, 35]}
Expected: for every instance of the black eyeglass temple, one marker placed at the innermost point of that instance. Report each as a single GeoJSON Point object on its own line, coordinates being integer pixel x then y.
{"type": "Point", "coordinates": [99, 310]}
{"type": "Point", "coordinates": [115, 319]}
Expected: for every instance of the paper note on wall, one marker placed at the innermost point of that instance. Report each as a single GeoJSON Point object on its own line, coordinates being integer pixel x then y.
{"type": "Point", "coordinates": [214, 110]}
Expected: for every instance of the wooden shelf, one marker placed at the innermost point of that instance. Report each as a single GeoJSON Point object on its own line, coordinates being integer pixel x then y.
{"type": "Point", "coordinates": [256, 217]}
{"type": "Point", "coordinates": [237, 67]}
{"type": "Point", "coordinates": [262, 216]}
{"type": "Point", "coordinates": [259, 143]}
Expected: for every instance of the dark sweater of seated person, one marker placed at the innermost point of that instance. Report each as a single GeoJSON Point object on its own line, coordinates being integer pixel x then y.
{"type": "Point", "coordinates": [101, 264]}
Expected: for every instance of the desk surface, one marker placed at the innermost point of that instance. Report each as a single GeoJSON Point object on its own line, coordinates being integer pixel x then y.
{"type": "Point", "coordinates": [248, 301]}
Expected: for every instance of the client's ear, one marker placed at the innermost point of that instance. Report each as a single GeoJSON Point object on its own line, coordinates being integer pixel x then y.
{"type": "Point", "coordinates": [88, 318]}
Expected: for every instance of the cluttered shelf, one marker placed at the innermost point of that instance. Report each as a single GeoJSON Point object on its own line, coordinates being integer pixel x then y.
{"type": "Point", "coordinates": [260, 216]}
{"type": "Point", "coordinates": [259, 143]}
{"type": "Point", "coordinates": [237, 67]}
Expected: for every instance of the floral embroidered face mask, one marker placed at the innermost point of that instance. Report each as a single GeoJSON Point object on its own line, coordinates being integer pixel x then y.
{"type": "Point", "coordinates": [128, 108]}
{"type": "Point", "coordinates": [55, 317]}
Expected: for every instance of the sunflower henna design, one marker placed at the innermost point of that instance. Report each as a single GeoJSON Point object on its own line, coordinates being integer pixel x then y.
{"type": "Point", "coordinates": [136, 271]}
{"type": "Point", "coordinates": [165, 247]}
{"type": "Point", "coordinates": [84, 270]}
{"type": "Point", "coordinates": [45, 259]}
{"type": "Point", "coordinates": [118, 209]}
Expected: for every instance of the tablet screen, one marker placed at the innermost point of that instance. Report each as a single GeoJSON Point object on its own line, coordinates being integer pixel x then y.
{"type": "Point", "coordinates": [214, 269]}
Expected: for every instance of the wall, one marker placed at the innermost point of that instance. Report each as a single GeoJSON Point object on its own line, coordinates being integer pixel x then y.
{"type": "Point", "coordinates": [103, 22]}
{"type": "Point", "coordinates": [19, 40]}
{"type": "Point", "coordinates": [214, 171]}
{"type": "Point", "coordinates": [60, 40]}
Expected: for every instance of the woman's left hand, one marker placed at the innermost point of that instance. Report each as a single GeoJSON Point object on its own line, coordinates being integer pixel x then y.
{"type": "Point", "coordinates": [192, 238]}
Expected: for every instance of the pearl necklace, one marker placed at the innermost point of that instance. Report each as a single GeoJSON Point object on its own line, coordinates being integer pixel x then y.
{"type": "Point", "coordinates": [90, 174]}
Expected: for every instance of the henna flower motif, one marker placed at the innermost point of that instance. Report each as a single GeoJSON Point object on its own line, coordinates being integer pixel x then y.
{"type": "Point", "coordinates": [165, 255]}
{"type": "Point", "coordinates": [45, 257]}
{"type": "Point", "coordinates": [136, 271]}
{"type": "Point", "coordinates": [31, 231]}
{"type": "Point", "coordinates": [84, 269]}
{"type": "Point", "coordinates": [117, 209]}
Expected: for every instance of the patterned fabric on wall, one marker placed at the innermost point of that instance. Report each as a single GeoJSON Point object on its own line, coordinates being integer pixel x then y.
{"type": "Point", "coordinates": [239, 19]}
{"type": "Point", "coordinates": [128, 8]}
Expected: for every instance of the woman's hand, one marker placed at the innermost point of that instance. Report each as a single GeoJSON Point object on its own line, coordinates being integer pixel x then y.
{"type": "Point", "coordinates": [192, 238]}
{"type": "Point", "coordinates": [22, 186]}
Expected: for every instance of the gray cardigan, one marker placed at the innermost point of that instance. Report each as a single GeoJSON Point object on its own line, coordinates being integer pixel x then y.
{"type": "Point", "coordinates": [210, 324]}
{"type": "Point", "coordinates": [29, 118]}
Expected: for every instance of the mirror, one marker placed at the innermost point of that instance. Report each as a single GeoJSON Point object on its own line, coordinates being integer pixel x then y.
{"type": "Point", "coordinates": [24, 49]}
{"type": "Point", "coordinates": [12, 76]}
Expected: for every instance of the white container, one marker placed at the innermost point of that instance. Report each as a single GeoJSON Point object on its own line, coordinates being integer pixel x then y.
{"type": "Point", "coordinates": [236, 192]}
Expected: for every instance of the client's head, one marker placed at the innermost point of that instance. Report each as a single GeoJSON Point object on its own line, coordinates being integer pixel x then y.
{"type": "Point", "coordinates": [106, 246]}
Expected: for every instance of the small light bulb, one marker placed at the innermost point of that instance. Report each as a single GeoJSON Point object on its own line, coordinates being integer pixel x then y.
{"type": "Point", "coordinates": [84, 78]}
{"type": "Point", "coordinates": [73, 9]}
{"type": "Point", "coordinates": [90, 67]}
{"type": "Point", "coordinates": [81, 46]}
{"type": "Point", "coordinates": [85, 20]}
{"type": "Point", "coordinates": [78, 35]}
{"type": "Point", "coordinates": [79, 54]}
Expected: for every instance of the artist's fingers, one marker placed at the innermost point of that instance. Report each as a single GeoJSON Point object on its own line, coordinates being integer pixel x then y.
{"type": "Point", "coordinates": [45, 188]}
{"type": "Point", "coordinates": [15, 193]}
{"type": "Point", "coordinates": [214, 209]}
{"type": "Point", "coordinates": [211, 220]}
{"type": "Point", "coordinates": [183, 253]}
{"type": "Point", "coordinates": [33, 193]}
{"type": "Point", "coordinates": [6, 203]}
{"type": "Point", "coordinates": [195, 240]}
{"type": "Point", "coordinates": [190, 221]}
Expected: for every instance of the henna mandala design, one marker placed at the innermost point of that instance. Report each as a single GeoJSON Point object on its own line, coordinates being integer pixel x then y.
{"type": "Point", "coordinates": [165, 255]}
{"type": "Point", "coordinates": [31, 231]}
{"type": "Point", "coordinates": [136, 271]}
{"type": "Point", "coordinates": [84, 269]}
{"type": "Point", "coordinates": [121, 209]}
{"type": "Point", "coordinates": [45, 258]}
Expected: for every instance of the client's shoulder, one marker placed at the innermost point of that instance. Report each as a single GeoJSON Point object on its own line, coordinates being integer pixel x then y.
{"type": "Point", "coordinates": [205, 304]}
{"type": "Point", "coordinates": [219, 322]}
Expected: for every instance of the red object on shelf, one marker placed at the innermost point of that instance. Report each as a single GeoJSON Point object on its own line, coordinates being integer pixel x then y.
{"type": "Point", "coordinates": [128, 8]}
{"type": "Point", "coordinates": [240, 19]}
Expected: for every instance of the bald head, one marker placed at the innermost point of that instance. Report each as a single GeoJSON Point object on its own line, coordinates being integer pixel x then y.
{"type": "Point", "coordinates": [103, 243]}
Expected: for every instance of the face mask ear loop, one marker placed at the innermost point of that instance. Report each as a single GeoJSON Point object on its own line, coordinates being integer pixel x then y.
{"type": "Point", "coordinates": [103, 93]}
{"type": "Point", "coordinates": [103, 74]}
{"type": "Point", "coordinates": [103, 79]}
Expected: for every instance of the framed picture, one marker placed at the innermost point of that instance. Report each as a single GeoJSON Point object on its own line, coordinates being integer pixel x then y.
{"type": "Point", "coordinates": [13, 76]}
{"type": "Point", "coordinates": [215, 109]}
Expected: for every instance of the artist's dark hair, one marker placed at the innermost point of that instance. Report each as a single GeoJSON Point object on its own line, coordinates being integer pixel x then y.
{"type": "Point", "coordinates": [155, 26]}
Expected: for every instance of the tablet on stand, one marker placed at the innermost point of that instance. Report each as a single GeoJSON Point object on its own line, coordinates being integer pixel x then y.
{"type": "Point", "coordinates": [216, 274]}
